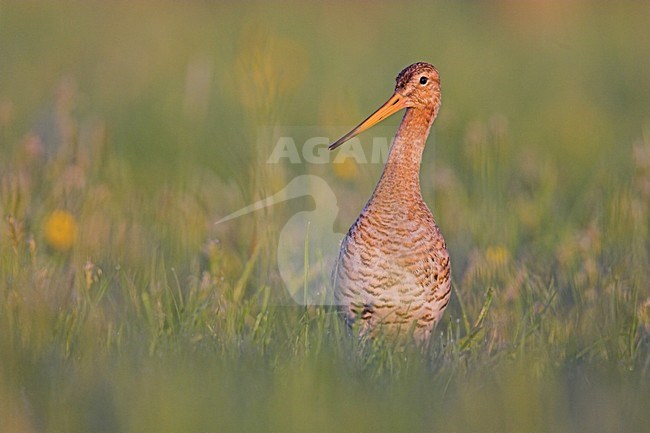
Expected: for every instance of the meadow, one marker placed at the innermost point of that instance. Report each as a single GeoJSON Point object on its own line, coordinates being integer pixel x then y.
{"type": "Point", "coordinates": [127, 129]}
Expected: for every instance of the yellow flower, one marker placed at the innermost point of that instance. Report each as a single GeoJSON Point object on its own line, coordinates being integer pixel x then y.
{"type": "Point", "coordinates": [60, 230]}
{"type": "Point", "coordinates": [346, 169]}
{"type": "Point", "coordinates": [497, 256]}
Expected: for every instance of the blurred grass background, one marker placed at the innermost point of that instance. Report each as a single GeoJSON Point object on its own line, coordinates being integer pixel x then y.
{"type": "Point", "coordinates": [128, 128]}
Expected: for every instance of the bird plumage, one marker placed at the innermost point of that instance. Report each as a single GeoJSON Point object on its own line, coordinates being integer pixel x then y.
{"type": "Point", "coordinates": [393, 272]}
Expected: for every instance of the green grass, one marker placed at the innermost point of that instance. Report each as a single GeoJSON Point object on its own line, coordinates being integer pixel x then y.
{"type": "Point", "coordinates": [146, 124]}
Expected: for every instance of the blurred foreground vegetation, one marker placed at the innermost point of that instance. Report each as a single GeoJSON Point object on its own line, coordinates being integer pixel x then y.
{"type": "Point", "coordinates": [128, 128]}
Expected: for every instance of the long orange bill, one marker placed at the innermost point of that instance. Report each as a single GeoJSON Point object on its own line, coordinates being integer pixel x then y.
{"type": "Point", "coordinates": [394, 104]}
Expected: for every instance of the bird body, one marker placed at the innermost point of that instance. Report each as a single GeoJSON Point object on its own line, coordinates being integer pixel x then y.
{"type": "Point", "coordinates": [393, 272]}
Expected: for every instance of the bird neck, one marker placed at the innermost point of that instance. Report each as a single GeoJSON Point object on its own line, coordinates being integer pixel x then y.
{"type": "Point", "coordinates": [401, 174]}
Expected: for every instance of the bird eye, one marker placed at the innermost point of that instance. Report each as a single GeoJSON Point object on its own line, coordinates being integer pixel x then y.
{"type": "Point", "coordinates": [423, 80]}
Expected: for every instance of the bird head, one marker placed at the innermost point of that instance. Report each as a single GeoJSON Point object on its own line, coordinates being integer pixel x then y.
{"type": "Point", "coordinates": [417, 87]}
